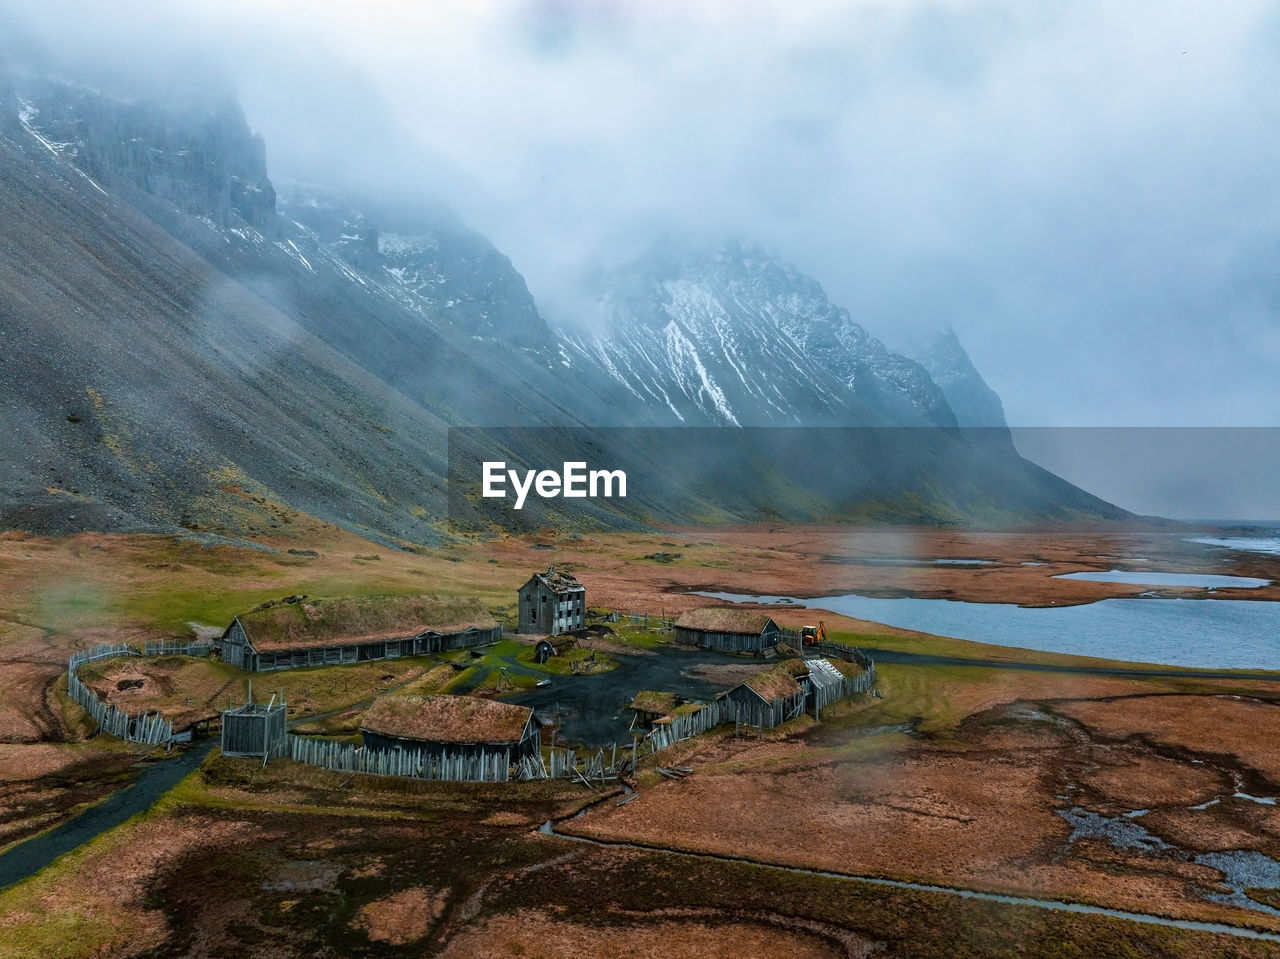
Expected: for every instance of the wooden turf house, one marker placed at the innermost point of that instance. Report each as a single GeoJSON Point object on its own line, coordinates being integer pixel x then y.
{"type": "Point", "coordinates": [458, 726]}
{"type": "Point", "coordinates": [324, 632]}
{"type": "Point", "coordinates": [727, 628]}
{"type": "Point", "coordinates": [552, 603]}
{"type": "Point", "coordinates": [650, 705]}
{"type": "Point", "coordinates": [767, 699]}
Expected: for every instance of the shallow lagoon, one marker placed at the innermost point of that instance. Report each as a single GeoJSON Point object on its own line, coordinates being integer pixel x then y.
{"type": "Point", "coordinates": [1203, 633]}
{"type": "Point", "coordinates": [1152, 578]}
{"type": "Point", "coordinates": [1251, 544]}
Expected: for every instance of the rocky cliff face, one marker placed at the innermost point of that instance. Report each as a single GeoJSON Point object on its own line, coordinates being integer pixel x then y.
{"type": "Point", "coordinates": [204, 161]}
{"type": "Point", "coordinates": [975, 403]}
{"type": "Point", "coordinates": [445, 270]}
{"type": "Point", "coordinates": [736, 337]}
{"type": "Point", "coordinates": [180, 349]}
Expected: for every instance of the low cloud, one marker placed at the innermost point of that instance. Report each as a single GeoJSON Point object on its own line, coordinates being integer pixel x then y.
{"type": "Point", "coordinates": [1086, 191]}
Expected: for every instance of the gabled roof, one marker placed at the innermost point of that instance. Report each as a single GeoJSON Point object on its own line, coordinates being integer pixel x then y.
{"type": "Point", "coordinates": [558, 581]}
{"type": "Point", "coordinates": [447, 719]}
{"type": "Point", "coordinates": [772, 684]}
{"type": "Point", "coordinates": [823, 675]}
{"type": "Point", "coordinates": [331, 622]}
{"type": "Point", "coordinates": [653, 701]}
{"type": "Point", "coordinates": [725, 619]}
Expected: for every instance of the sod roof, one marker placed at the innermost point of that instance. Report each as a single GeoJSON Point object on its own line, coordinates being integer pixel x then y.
{"type": "Point", "coordinates": [447, 719]}
{"type": "Point", "coordinates": [331, 622]}
{"type": "Point", "coordinates": [725, 619]}
{"type": "Point", "coordinates": [774, 683]}
{"type": "Point", "coordinates": [796, 667]}
{"type": "Point", "coordinates": [654, 701]}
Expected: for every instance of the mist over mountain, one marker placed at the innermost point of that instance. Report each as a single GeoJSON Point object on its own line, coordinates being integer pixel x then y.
{"type": "Point", "coordinates": [437, 264]}
{"type": "Point", "coordinates": [732, 336]}
{"type": "Point", "coordinates": [186, 345]}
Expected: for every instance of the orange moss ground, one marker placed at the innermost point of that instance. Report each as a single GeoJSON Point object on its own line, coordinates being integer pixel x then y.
{"type": "Point", "coordinates": [966, 796]}
{"type": "Point", "coordinates": [976, 810]}
{"type": "Point", "coordinates": [1233, 726]}
{"type": "Point", "coordinates": [529, 933]}
{"type": "Point", "coordinates": [438, 869]}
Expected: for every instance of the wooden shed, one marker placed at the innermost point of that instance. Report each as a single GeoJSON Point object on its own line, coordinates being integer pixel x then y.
{"type": "Point", "coordinates": [328, 632]}
{"type": "Point", "coordinates": [544, 649]}
{"type": "Point", "coordinates": [553, 602]}
{"type": "Point", "coordinates": [727, 628]}
{"type": "Point", "coordinates": [823, 684]}
{"type": "Point", "coordinates": [254, 729]}
{"type": "Point", "coordinates": [650, 705]}
{"type": "Point", "coordinates": [767, 699]}
{"type": "Point", "coordinates": [457, 725]}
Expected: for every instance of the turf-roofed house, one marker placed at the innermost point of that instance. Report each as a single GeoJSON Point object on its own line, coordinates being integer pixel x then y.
{"type": "Point", "coordinates": [454, 725]}
{"type": "Point", "coordinates": [723, 627]}
{"type": "Point", "coordinates": [552, 603]}
{"type": "Point", "coordinates": [768, 698]}
{"type": "Point", "coordinates": [294, 632]}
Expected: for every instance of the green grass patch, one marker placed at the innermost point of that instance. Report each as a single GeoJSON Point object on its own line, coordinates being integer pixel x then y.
{"type": "Point", "coordinates": [579, 661]}
{"type": "Point", "coordinates": [935, 699]}
{"type": "Point", "coordinates": [641, 637]}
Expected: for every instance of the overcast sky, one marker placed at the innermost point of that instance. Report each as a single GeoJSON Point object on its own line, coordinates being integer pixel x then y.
{"type": "Point", "coordinates": [1086, 190]}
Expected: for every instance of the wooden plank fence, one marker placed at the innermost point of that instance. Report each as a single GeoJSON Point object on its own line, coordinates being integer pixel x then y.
{"type": "Point", "coordinates": [687, 725]}
{"type": "Point", "coordinates": [484, 767]}
{"type": "Point", "coordinates": [646, 620]}
{"type": "Point", "coordinates": [151, 729]}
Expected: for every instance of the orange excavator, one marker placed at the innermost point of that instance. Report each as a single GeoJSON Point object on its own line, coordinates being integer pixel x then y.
{"type": "Point", "coordinates": [813, 635]}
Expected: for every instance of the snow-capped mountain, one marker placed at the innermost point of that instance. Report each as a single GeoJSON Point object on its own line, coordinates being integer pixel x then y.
{"type": "Point", "coordinates": [976, 405]}
{"type": "Point", "coordinates": [734, 336]}
{"type": "Point", "coordinates": [427, 257]}
{"type": "Point", "coordinates": [182, 347]}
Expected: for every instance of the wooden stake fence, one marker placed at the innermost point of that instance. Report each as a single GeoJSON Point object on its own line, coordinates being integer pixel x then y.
{"type": "Point", "coordinates": [485, 767]}
{"type": "Point", "coordinates": [149, 729]}
{"type": "Point", "coordinates": [155, 730]}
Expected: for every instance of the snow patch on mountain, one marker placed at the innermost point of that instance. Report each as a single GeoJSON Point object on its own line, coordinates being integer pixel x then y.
{"type": "Point", "coordinates": [737, 337]}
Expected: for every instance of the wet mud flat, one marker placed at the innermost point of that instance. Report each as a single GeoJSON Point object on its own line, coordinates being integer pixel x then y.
{"type": "Point", "coordinates": [1237, 877]}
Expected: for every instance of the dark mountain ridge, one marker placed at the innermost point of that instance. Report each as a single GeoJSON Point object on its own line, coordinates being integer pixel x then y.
{"type": "Point", "coordinates": [183, 348]}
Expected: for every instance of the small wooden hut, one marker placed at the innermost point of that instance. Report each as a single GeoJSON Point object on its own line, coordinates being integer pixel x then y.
{"type": "Point", "coordinates": [456, 725]}
{"type": "Point", "coordinates": [650, 705]}
{"type": "Point", "coordinates": [553, 602]}
{"type": "Point", "coordinates": [767, 699]}
{"type": "Point", "coordinates": [727, 628]}
{"type": "Point", "coordinates": [254, 729]}
{"type": "Point", "coordinates": [327, 632]}
{"type": "Point", "coordinates": [823, 684]}
{"type": "Point", "coordinates": [545, 648]}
